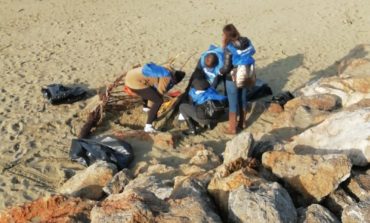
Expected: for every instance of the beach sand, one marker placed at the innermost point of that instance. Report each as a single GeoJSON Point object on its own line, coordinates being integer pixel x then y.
{"type": "Point", "coordinates": [89, 43]}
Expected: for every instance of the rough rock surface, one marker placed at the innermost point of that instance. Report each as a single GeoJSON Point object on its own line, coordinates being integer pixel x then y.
{"type": "Point", "coordinates": [161, 188]}
{"type": "Point", "coordinates": [264, 203]}
{"type": "Point", "coordinates": [351, 86]}
{"type": "Point", "coordinates": [205, 159]}
{"type": "Point", "coordinates": [189, 203]}
{"type": "Point", "coordinates": [312, 176]}
{"type": "Point", "coordinates": [239, 146]}
{"type": "Point", "coordinates": [134, 205]}
{"type": "Point", "coordinates": [89, 183]}
{"type": "Point", "coordinates": [316, 213]}
{"type": "Point", "coordinates": [220, 187]}
{"type": "Point", "coordinates": [118, 182]}
{"type": "Point", "coordinates": [357, 213]}
{"type": "Point", "coordinates": [337, 201]}
{"type": "Point", "coordinates": [50, 209]}
{"type": "Point", "coordinates": [359, 185]}
{"type": "Point", "coordinates": [332, 136]}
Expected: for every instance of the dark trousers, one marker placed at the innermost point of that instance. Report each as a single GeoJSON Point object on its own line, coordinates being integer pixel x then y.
{"type": "Point", "coordinates": [189, 111]}
{"type": "Point", "coordinates": [150, 94]}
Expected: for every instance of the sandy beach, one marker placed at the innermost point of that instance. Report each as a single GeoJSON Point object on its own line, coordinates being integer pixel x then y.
{"type": "Point", "coordinates": [89, 43]}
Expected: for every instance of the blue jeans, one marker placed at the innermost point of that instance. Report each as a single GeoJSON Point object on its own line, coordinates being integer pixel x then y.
{"type": "Point", "coordinates": [236, 96]}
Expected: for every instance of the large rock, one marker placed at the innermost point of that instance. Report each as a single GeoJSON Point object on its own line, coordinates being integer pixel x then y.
{"type": "Point", "coordinates": [359, 185]}
{"type": "Point", "coordinates": [160, 187]}
{"type": "Point", "coordinates": [316, 213]}
{"type": "Point", "coordinates": [337, 201]}
{"type": "Point", "coordinates": [344, 132]}
{"type": "Point", "coordinates": [133, 205]}
{"type": "Point", "coordinates": [220, 186]}
{"type": "Point", "coordinates": [313, 176]}
{"type": "Point", "coordinates": [50, 209]}
{"type": "Point", "coordinates": [188, 203]}
{"type": "Point", "coordinates": [118, 182]}
{"type": "Point", "coordinates": [264, 203]}
{"type": "Point", "coordinates": [238, 147]}
{"type": "Point", "coordinates": [351, 86]}
{"type": "Point", "coordinates": [89, 183]}
{"type": "Point", "coordinates": [357, 213]}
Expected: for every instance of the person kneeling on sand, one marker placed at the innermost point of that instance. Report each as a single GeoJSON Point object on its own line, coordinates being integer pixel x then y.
{"type": "Point", "coordinates": [205, 106]}
{"type": "Point", "coordinates": [150, 82]}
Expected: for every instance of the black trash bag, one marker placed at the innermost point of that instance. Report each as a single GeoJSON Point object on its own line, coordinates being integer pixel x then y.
{"type": "Point", "coordinates": [107, 148]}
{"type": "Point", "coordinates": [259, 90]}
{"type": "Point", "coordinates": [282, 98]}
{"type": "Point", "coordinates": [58, 94]}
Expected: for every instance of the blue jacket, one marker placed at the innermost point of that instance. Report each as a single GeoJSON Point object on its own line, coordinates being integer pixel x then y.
{"type": "Point", "coordinates": [153, 70]}
{"type": "Point", "coordinates": [211, 73]}
{"type": "Point", "coordinates": [207, 95]}
{"type": "Point", "coordinates": [242, 57]}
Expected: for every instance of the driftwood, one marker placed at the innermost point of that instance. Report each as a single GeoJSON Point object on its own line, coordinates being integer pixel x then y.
{"type": "Point", "coordinates": [95, 117]}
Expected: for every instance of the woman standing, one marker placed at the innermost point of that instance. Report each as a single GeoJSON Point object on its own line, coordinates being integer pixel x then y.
{"type": "Point", "coordinates": [238, 58]}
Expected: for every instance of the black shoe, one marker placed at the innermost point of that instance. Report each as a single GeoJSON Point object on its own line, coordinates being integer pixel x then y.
{"type": "Point", "coordinates": [192, 129]}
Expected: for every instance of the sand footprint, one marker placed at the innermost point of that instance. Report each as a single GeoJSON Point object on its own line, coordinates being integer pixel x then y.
{"type": "Point", "coordinates": [15, 128]}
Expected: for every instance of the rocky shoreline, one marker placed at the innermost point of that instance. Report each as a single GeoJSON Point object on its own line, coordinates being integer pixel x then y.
{"type": "Point", "coordinates": [317, 171]}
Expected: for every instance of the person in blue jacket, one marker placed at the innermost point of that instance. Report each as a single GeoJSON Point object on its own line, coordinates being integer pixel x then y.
{"type": "Point", "coordinates": [194, 111]}
{"type": "Point", "coordinates": [238, 51]}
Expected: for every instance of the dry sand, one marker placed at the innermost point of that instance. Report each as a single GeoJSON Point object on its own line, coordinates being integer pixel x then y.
{"type": "Point", "coordinates": [90, 42]}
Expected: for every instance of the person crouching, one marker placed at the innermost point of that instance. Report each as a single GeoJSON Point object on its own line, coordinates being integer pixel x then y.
{"type": "Point", "coordinates": [151, 82]}
{"type": "Point", "coordinates": [205, 106]}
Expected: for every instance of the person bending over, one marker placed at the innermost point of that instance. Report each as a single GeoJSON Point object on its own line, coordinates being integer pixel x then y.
{"type": "Point", "coordinates": [150, 82]}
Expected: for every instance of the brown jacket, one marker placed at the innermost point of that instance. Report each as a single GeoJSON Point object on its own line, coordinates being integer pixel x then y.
{"type": "Point", "coordinates": [135, 80]}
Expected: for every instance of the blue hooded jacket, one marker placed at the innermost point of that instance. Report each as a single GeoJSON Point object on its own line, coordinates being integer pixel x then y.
{"type": "Point", "coordinates": [211, 73]}
{"type": "Point", "coordinates": [242, 57]}
{"type": "Point", "coordinates": [153, 70]}
{"type": "Point", "coordinates": [207, 95]}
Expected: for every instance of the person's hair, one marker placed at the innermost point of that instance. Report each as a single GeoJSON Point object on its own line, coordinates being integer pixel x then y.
{"type": "Point", "coordinates": [214, 59]}
{"type": "Point", "coordinates": [231, 33]}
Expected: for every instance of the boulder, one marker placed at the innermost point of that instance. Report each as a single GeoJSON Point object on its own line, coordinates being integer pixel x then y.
{"type": "Point", "coordinates": [313, 176]}
{"type": "Point", "coordinates": [89, 183]}
{"type": "Point", "coordinates": [56, 208]}
{"type": "Point", "coordinates": [205, 159]}
{"type": "Point", "coordinates": [275, 108]}
{"type": "Point", "coordinates": [316, 213]}
{"type": "Point", "coordinates": [357, 213]}
{"type": "Point", "coordinates": [220, 187]}
{"type": "Point", "coordinates": [267, 202]}
{"type": "Point", "coordinates": [164, 140]}
{"type": "Point", "coordinates": [352, 85]}
{"type": "Point", "coordinates": [118, 182]}
{"type": "Point", "coordinates": [337, 201]}
{"type": "Point", "coordinates": [323, 102]}
{"type": "Point", "coordinates": [332, 136]}
{"type": "Point", "coordinates": [359, 185]}
{"type": "Point", "coordinates": [133, 205]}
{"type": "Point", "coordinates": [159, 187]}
{"type": "Point", "coordinates": [303, 112]}
{"type": "Point", "coordinates": [190, 202]}
{"type": "Point", "coordinates": [238, 147]}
